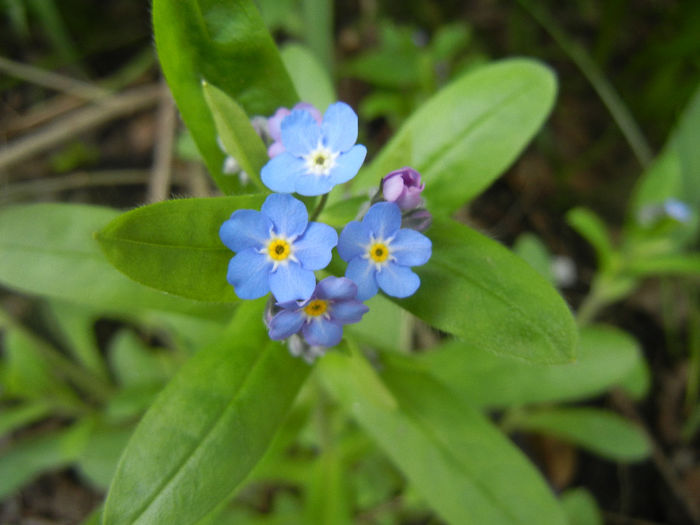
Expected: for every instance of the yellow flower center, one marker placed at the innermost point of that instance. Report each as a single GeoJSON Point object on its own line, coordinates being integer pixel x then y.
{"type": "Point", "coordinates": [316, 307]}
{"type": "Point", "coordinates": [379, 252]}
{"type": "Point", "coordinates": [278, 249]}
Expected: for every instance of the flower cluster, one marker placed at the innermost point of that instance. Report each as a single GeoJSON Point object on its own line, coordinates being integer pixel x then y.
{"type": "Point", "coordinates": [277, 249]}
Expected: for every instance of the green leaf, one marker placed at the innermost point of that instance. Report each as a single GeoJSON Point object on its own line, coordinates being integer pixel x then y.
{"type": "Point", "coordinates": [208, 428]}
{"type": "Point", "coordinates": [310, 78]}
{"type": "Point", "coordinates": [581, 508]}
{"type": "Point", "coordinates": [327, 498]}
{"type": "Point", "coordinates": [605, 357]}
{"type": "Point", "coordinates": [48, 250]}
{"type": "Point", "coordinates": [227, 44]}
{"type": "Point", "coordinates": [174, 246]}
{"type": "Point", "coordinates": [637, 381]}
{"type": "Point", "coordinates": [671, 264]}
{"type": "Point", "coordinates": [535, 252]}
{"type": "Point", "coordinates": [237, 134]}
{"type": "Point", "coordinates": [593, 229]}
{"type": "Point", "coordinates": [133, 363]}
{"type": "Point", "coordinates": [598, 431]}
{"type": "Point", "coordinates": [12, 418]}
{"type": "Point", "coordinates": [478, 290]}
{"type": "Point", "coordinates": [686, 139]}
{"type": "Point", "coordinates": [98, 460]}
{"type": "Point", "coordinates": [25, 460]}
{"type": "Point", "coordinates": [469, 133]}
{"type": "Point", "coordinates": [463, 466]}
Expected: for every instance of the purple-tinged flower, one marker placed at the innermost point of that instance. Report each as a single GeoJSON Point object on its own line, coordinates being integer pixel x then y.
{"type": "Point", "coordinates": [274, 125]}
{"type": "Point", "coordinates": [320, 319]}
{"type": "Point", "coordinates": [317, 156]}
{"type": "Point", "coordinates": [403, 187]}
{"type": "Point", "coordinates": [380, 253]}
{"type": "Point", "coordinates": [277, 249]}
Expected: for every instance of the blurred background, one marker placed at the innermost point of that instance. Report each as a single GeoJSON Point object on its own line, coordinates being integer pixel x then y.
{"type": "Point", "coordinates": [85, 117]}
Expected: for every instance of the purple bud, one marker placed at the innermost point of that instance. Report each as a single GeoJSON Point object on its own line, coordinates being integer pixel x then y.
{"type": "Point", "coordinates": [403, 187]}
{"type": "Point", "coordinates": [274, 126]}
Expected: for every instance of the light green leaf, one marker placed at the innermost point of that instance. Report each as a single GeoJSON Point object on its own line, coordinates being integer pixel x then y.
{"type": "Point", "coordinates": [174, 246]}
{"type": "Point", "coordinates": [227, 44]}
{"type": "Point", "coordinates": [469, 133]}
{"type": "Point", "coordinates": [686, 138]}
{"type": "Point", "coordinates": [597, 431]}
{"type": "Point", "coordinates": [24, 460]}
{"type": "Point", "coordinates": [671, 264]}
{"type": "Point", "coordinates": [581, 508]}
{"type": "Point", "coordinates": [48, 250]}
{"type": "Point", "coordinates": [478, 290]}
{"type": "Point", "coordinates": [133, 363]}
{"type": "Point", "coordinates": [310, 78]}
{"type": "Point", "coordinates": [593, 229]}
{"type": "Point", "coordinates": [327, 495]}
{"type": "Point", "coordinates": [533, 250]}
{"type": "Point", "coordinates": [637, 381]}
{"type": "Point", "coordinates": [237, 134]}
{"type": "Point", "coordinates": [12, 418]}
{"type": "Point", "coordinates": [98, 459]}
{"type": "Point", "coordinates": [208, 428]}
{"type": "Point", "coordinates": [605, 357]}
{"type": "Point", "coordinates": [462, 465]}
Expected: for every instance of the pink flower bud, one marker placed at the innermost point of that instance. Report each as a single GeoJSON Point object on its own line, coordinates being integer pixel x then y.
{"type": "Point", "coordinates": [403, 187]}
{"type": "Point", "coordinates": [274, 124]}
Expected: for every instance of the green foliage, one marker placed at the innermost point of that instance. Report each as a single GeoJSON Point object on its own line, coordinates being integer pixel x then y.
{"type": "Point", "coordinates": [468, 133]}
{"type": "Point", "coordinates": [310, 79]}
{"type": "Point", "coordinates": [581, 507]}
{"type": "Point", "coordinates": [227, 45]}
{"type": "Point", "coordinates": [230, 396]}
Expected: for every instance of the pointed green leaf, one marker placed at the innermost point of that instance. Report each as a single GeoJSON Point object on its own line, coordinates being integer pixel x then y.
{"type": "Point", "coordinates": [581, 508]}
{"type": "Point", "coordinates": [174, 246]}
{"type": "Point", "coordinates": [466, 470]}
{"type": "Point", "coordinates": [49, 250]}
{"type": "Point", "coordinates": [596, 430]}
{"type": "Point", "coordinates": [469, 133]}
{"type": "Point", "coordinates": [604, 358]}
{"type": "Point", "coordinates": [227, 44]}
{"type": "Point", "coordinates": [208, 428]}
{"type": "Point", "coordinates": [237, 134]}
{"type": "Point", "coordinates": [310, 79]}
{"type": "Point", "coordinates": [592, 228]}
{"type": "Point", "coordinates": [478, 290]}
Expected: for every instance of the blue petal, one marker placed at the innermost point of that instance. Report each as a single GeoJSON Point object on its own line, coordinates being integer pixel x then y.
{"type": "Point", "coordinates": [245, 229]}
{"type": "Point", "coordinates": [288, 214]}
{"type": "Point", "coordinates": [313, 249]}
{"type": "Point", "coordinates": [383, 219]}
{"type": "Point", "coordinates": [397, 281]}
{"type": "Point", "coordinates": [248, 272]}
{"type": "Point", "coordinates": [290, 282]}
{"type": "Point", "coordinates": [281, 172]}
{"type": "Point", "coordinates": [339, 127]}
{"type": "Point", "coordinates": [361, 272]}
{"type": "Point", "coordinates": [348, 164]}
{"type": "Point", "coordinates": [346, 312]}
{"type": "Point", "coordinates": [285, 324]}
{"type": "Point", "coordinates": [300, 132]}
{"type": "Point", "coordinates": [310, 184]}
{"type": "Point", "coordinates": [321, 332]}
{"type": "Point", "coordinates": [410, 248]}
{"type": "Point", "coordinates": [336, 288]}
{"type": "Point", "coordinates": [354, 240]}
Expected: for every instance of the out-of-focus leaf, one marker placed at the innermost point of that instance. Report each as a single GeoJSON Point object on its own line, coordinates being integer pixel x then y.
{"type": "Point", "coordinates": [48, 250]}
{"type": "Point", "coordinates": [208, 428]}
{"type": "Point", "coordinates": [581, 508]}
{"type": "Point", "coordinates": [598, 431]}
{"type": "Point", "coordinates": [12, 418]}
{"type": "Point", "coordinates": [671, 264]}
{"type": "Point", "coordinates": [604, 358]}
{"type": "Point", "coordinates": [478, 290]}
{"type": "Point", "coordinates": [310, 78]}
{"type": "Point", "coordinates": [469, 133]}
{"type": "Point", "coordinates": [593, 229]}
{"type": "Point", "coordinates": [533, 250]}
{"type": "Point", "coordinates": [24, 460]}
{"type": "Point", "coordinates": [98, 459]}
{"type": "Point", "coordinates": [133, 363]}
{"type": "Point", "coordinates": [462, 465]}
{"type": "Point", "coordinates": [227, 44]}
{"type": "Point", "coordinates": [174, 246]}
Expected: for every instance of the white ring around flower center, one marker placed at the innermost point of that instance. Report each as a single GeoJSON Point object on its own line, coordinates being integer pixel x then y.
{"type": "Point", "coordinates": [273, 243]}
{"type": "Point", "coordinates": [321, 160]}
{"type": "Point", "coordinates": [378, 252]}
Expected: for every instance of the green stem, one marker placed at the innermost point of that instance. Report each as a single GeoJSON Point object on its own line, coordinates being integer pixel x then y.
{"type": "Point", "coordinates": [319, 208]}
{"type": "Point", "coordinates": [617, 108]}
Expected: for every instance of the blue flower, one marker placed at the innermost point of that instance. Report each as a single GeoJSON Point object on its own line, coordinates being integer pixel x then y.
{"type": "Point", "coordinates": [317, 156]}
{"type": "Point", "coordinates": [321, 318]}
{"type": "Point", "coordinates": [277, 249]}
{"type": "Point", "coordinates": [379, 253]}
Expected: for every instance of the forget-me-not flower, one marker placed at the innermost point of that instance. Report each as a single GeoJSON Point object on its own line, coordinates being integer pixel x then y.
{"type": "Point", "coordinates": [277, 249]}
{"type": "Point", "coordinates": [320, 319]}
{"type": "Point", "coordinates": [317, 156]}
{"type": "Point", "coordinates": [380, 253]}
{"type": "Point", "coordinates": [403, 187]}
